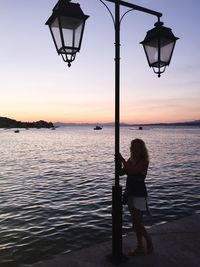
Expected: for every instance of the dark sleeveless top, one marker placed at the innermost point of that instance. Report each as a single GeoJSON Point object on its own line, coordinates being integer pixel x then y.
{"type": "Point", "coordinates": [135, 186]}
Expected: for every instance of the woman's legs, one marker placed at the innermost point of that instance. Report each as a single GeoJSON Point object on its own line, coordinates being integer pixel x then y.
{"type": "Point", "coordinates": [140, 229]}
{"type": "Point", "coordinates": [137, 224]}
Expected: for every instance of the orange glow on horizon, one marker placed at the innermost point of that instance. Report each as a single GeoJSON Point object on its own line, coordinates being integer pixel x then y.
{"type": "Point", "coordinates": [98, 119]}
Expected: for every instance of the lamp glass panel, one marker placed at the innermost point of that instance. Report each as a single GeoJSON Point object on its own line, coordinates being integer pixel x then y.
{"type": "Point", "coordinates": [78, 35]}
{"type": "Point", "coordinates": [56, 33]}
{"type": "Point", "coordinates": [152, 53]}
{"type": "Point", "coordinates": [166, 50]}
{"type": "Point", "coordinates": [72, 29]}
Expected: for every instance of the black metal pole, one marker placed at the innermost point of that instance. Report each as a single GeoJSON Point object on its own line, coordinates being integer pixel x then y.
{"type": "Point", "coordinates": [117, 255]}
{"type": "Point", "coordinates": [117, 90]}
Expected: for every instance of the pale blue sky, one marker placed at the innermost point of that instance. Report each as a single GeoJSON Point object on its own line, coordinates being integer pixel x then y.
{"type": "Point", "coordinates": [36, 84]}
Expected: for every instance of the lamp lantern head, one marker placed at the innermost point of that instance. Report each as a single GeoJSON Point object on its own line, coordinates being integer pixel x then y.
{"type": "Point", "coordinates": [66, 25]}
{"type": "Point", "coordinates": [159, 45]}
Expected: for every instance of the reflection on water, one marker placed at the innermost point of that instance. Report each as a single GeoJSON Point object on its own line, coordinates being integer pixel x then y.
{"type": "Point", "coordinates": [55, 186]}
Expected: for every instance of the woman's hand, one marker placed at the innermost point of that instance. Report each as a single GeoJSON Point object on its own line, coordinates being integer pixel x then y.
{"type": "Point", "coordinates": [122, 159]}
{"type": "Point", "coordinates": [122, 168]}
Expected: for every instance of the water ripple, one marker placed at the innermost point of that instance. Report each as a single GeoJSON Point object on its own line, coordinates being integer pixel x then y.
{"type": "Point", "coordinates": [55, 186]}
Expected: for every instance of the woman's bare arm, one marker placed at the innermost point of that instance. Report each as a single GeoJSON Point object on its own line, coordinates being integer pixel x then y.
{"type": "Point", "coordinates": [123, 165]}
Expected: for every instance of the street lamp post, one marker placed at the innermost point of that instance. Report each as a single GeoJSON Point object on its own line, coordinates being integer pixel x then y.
{"type": "Point", "coordinates": [66, 25]}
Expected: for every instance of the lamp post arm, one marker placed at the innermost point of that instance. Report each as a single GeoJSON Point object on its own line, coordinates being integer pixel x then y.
{"type": "Point", "coordinates": [138, 8]}
{"type": "Point", "coordinates": [113, 19]}
{"type": "Point", "coordinates": [125, 14]}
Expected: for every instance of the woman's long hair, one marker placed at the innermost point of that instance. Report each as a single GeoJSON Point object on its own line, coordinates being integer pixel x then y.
{"type": "Point", "coordinates": [138, 150]}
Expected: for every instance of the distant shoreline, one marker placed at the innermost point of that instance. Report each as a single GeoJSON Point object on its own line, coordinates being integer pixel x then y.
{"type": "Point", "coordinates": [191, 123]}
{"type": "Point", "coordinates": [10, 123]}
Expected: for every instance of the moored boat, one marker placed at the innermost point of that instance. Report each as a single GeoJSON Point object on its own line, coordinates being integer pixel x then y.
{"type": "Point", "coordinates": [98, 127]}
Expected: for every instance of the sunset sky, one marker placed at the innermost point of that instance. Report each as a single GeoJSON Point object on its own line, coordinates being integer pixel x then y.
{"type": "Point", "coordinates": [36, 84]}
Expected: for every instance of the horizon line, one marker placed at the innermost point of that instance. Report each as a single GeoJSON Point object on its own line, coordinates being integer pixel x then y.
{"type": "Point", "coordinates": [128, 124]}
{"type": "Point", "coordinates": [121, 123]}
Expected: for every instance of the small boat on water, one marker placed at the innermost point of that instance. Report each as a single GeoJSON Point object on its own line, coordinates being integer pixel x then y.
{"type": "Point", "coordinates": [140, 128]}
{"type": "Point", "coordinates": [98, 127]}
{"type": "Point", "coordinates": [16, 131]}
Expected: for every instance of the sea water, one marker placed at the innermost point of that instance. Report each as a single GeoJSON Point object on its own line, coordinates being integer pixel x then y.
{"type": "Point", "coordinates": [55, 186]}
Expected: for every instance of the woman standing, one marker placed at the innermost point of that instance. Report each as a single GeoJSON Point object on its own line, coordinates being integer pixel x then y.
{"type": "Point", "coordinates": [136, 170]}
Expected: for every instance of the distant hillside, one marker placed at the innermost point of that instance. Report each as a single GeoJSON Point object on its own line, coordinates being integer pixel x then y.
{"type": "Point", "coordinates": [187, 123]}
{"type": "Point", "coordinates": [10, 123]}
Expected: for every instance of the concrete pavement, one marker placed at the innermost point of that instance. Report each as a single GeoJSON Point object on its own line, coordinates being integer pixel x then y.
{"type": "Point", "coordinates": [176, 244]}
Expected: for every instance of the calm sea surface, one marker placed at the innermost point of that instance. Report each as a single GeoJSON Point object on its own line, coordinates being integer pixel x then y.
{"type": "Point", "coordinates": [55, 186]}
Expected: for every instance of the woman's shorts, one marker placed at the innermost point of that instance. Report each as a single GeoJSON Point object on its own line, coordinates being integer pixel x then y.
{"type": "Point", "coordinates": [139, 203]}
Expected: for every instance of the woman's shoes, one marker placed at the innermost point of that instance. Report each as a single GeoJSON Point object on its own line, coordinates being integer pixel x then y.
{"type": "Point", "coordinates": [137, 251]}
{"type": "Point", "coordinates": [141, 251]}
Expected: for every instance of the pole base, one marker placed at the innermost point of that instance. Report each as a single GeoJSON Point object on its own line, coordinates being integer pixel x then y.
{"type": "Point", "coordinates": [117, 256]}
{"type": "Point", "coordinates": [117, 260]}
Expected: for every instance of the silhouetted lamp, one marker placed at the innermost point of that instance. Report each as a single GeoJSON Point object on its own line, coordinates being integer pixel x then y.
{"type": "Point", "coordinates": [159, 45]}
{"type": "Point", "coordinates": [67, 24]}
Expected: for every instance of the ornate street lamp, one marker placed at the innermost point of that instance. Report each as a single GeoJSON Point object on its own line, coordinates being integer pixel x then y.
{"type": "Point", "coordinates": [159, 45]}
{"type": "Point", "coordinates": [67, 24]}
